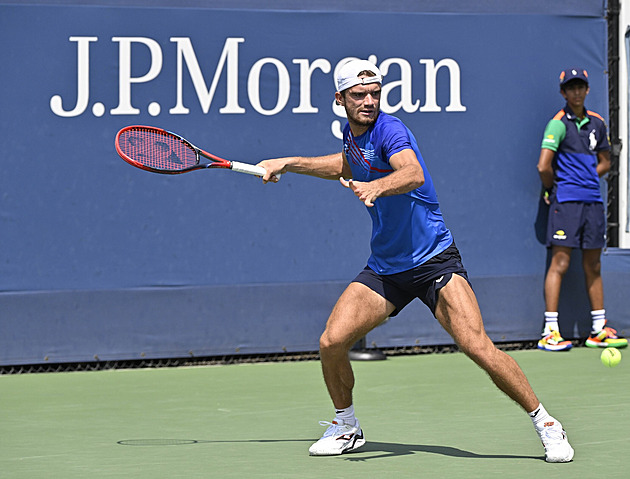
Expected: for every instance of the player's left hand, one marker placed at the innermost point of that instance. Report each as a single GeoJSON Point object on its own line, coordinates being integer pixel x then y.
{"type": "Point", "coordinates": [364, 191]}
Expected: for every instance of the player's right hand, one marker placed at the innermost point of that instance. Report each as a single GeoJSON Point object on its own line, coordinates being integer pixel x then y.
{"type": "Point", "coordinates": [274, 169]}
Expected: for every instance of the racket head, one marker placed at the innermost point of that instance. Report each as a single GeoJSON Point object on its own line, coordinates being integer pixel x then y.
{"type": "Point", "coordinates": [157, 150]}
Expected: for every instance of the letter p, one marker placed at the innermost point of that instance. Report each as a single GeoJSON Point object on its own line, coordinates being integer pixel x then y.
{"type": "Point", "coordinates": [124, 76]}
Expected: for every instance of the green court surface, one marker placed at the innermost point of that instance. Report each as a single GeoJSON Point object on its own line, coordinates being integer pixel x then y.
{"type": "Point", "coordinates": [431, 416]}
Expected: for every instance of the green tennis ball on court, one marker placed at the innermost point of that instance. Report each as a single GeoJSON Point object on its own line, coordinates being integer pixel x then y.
{"type": "Point", "coordinates": [611, 357]}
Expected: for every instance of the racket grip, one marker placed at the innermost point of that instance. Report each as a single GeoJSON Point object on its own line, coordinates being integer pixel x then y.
{"type": "Point", "coordinates": [249, 169]}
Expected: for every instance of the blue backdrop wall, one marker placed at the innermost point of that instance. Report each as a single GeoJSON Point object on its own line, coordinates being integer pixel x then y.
{"type": "Point", "coordinates": [101, 260]}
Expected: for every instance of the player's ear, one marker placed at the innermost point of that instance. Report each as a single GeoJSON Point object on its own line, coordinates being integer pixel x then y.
{"type": "Point", "coordinates": [339, 98]}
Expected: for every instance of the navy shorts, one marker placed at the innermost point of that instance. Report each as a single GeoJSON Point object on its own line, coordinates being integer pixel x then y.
{"type": "Point", "coordinates": [423, 282]}
{"type": "Point", "coordinates": [577, 225]}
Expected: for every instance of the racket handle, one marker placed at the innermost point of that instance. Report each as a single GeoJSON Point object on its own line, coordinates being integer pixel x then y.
{"type": "Point", "coordinates": [249, 169]}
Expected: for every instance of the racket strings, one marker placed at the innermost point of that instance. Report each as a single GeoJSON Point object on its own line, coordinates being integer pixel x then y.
{"type": "Point", "coordinates": [157, 149]}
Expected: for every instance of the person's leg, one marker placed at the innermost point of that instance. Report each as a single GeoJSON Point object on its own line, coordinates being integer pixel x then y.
{"type": "Point", "coordinates": [458, 313]}
{"type": "Point", "coordinates": [602, 336]}
{"type": "Point", "coordinates": [357, 312]}
{"type": "Point", "coordinates": [560, 260]}
{"type": "Point", "coordinates": [592, 265]}
{"type": "Point", "coordinates": [551, 340]}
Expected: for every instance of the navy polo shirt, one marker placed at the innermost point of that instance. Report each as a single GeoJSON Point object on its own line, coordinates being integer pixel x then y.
{"type": "Point", "coordinates": [576, 143]}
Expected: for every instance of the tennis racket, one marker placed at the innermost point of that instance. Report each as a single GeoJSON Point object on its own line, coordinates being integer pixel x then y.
{"type": "Point", "coordinates": [161, 151]}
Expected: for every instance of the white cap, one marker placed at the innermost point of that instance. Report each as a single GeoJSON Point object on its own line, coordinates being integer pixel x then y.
{"type": "Point", "coordinates": [348, 74]}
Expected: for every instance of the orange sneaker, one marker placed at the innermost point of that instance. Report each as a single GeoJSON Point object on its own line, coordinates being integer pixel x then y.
{"type": "Point", "coordinates": [606, 338]}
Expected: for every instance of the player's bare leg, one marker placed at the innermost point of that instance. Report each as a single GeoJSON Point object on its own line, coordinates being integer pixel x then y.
{"type": "Point", "coordinates": [458, 312]}
{"type": "Point", "coordinates": [358, 310]}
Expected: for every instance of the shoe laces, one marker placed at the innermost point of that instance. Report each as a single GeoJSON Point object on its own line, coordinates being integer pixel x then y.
{"type": "Point", "coordinates": [552, 434]}
{"type": "Point", "coordinates": [334, 428]}
{"type": "Point", "coordinates": [606, 332]}
{"type": "Point", "coordinates": [610, 332]}
{"type": "Point", "coordinates": [554, 337]}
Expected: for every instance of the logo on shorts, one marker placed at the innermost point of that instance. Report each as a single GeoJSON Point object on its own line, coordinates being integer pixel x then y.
{"type": "Point", "coordinates": [560, 235]}
{"type": "Point", "coordinates": [439, 280]}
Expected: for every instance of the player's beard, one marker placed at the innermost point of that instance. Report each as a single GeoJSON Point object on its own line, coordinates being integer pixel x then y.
{"type": "Point", "coordinates": [361, 120]}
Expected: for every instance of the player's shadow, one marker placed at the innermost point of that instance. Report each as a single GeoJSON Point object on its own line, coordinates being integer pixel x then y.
{"type": "Point", "coordinates": [371, 450]}
{"type": "Point", "coordinates": [382, 450]}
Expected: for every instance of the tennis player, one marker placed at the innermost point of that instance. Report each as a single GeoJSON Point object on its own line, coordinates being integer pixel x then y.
{"type": "Point", "coordinates": [412, 256]}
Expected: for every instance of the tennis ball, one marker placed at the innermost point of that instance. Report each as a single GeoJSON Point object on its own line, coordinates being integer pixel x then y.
{"type": "Point", "coordinates": [611, 357]}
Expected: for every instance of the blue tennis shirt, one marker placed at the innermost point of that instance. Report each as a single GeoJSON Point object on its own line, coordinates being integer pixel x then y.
{"type": "Point", "coordinates": [407, 229]}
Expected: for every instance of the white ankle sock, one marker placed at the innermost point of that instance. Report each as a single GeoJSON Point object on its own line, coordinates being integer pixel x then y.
{"type": "Point", "coordinates": [540, 416]}
{"type": "Point", "coordinates": [599, 320]}
{"type": "Point", "coordinates": [551, 322]}
{"type": "Point", "coordinates": [346, 415]}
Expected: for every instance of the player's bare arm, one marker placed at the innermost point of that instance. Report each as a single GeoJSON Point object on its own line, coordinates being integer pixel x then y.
{"type": "Point", "coordinates": [407, 176]}
{"type": "Point", "coordinates": [329, 167]}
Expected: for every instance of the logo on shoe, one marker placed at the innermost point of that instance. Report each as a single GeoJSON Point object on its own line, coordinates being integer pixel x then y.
{"type": "Point", "coordinates": [548, 424]}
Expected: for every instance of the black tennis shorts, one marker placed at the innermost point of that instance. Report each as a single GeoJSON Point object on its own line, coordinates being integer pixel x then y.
{"type": "Point", "coordinates": [423, 282]}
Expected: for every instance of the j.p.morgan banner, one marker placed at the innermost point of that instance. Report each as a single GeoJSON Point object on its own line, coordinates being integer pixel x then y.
{"type": "Point", "coordinates": [225, 75]}
{"type": "Point", "coordinates": [250, 85]}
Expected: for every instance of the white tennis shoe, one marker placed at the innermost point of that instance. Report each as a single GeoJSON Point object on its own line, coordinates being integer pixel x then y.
{"type": "Point", "coordinates": [338, 438]}
{"type": "Point", "coordinates": [557, 447]}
